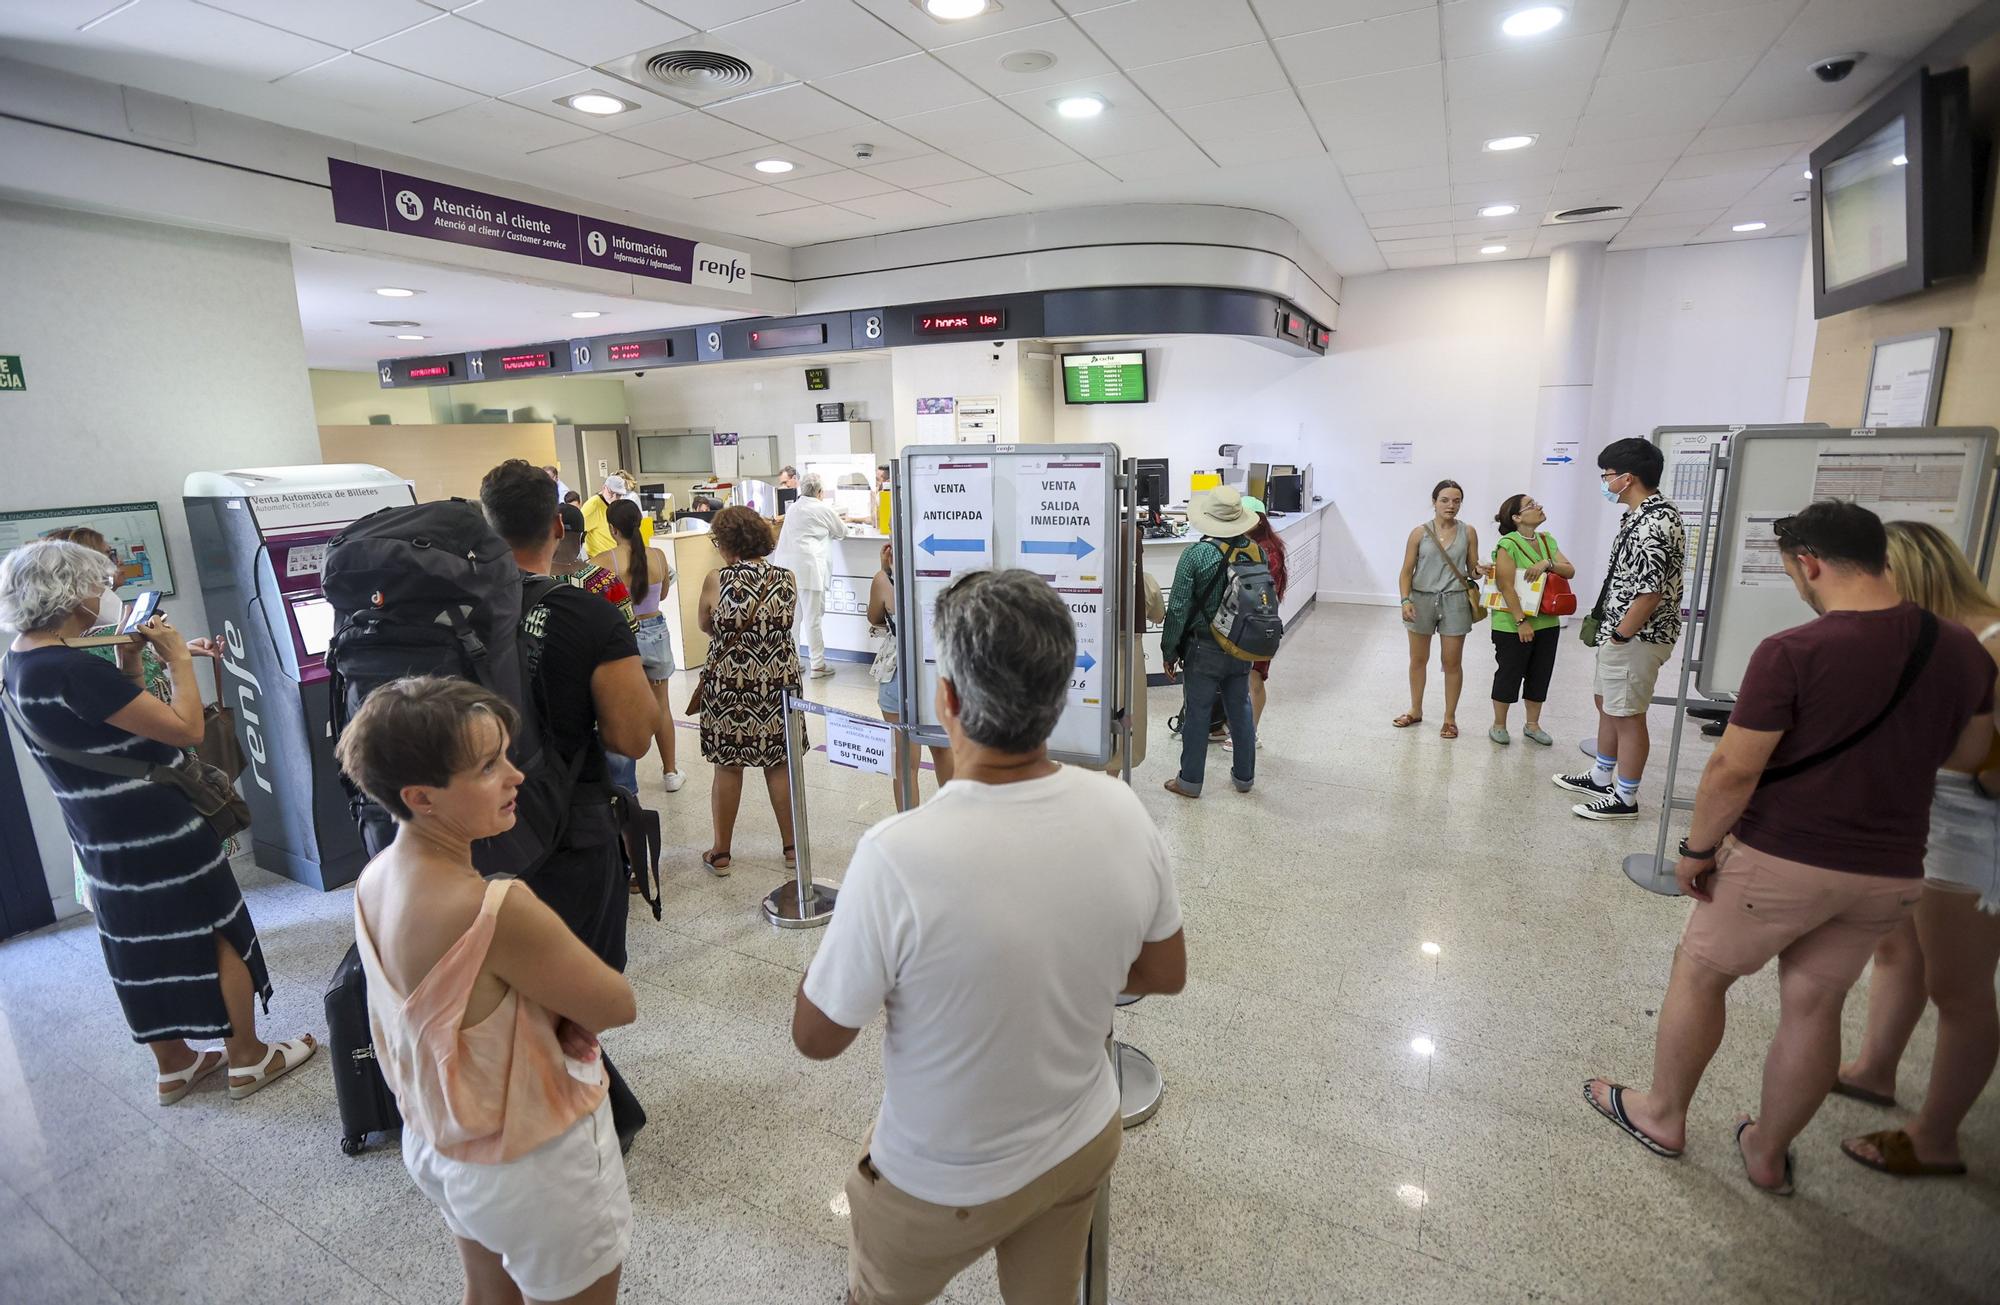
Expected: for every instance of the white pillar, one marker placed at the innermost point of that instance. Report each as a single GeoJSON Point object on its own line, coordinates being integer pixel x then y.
{"type": "Point", "coordinates": [1805, 334]}
{"type": "Point", "coordinates": [1562, 414]}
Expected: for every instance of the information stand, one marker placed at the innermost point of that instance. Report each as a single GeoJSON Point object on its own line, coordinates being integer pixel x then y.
{"type": "Point", "coordinates": [1740, 594]}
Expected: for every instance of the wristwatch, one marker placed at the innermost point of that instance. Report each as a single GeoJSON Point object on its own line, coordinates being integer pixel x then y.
{"type": "Point", "coordinates": [1696, 853]}
{"type": "Point", "coordinates": [1620, 638]}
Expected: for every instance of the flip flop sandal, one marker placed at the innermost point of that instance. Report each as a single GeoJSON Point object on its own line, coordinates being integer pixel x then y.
{"type": "Point", "coordinates": [183, 1080]}
{"type": "Point", "coordinates": [1782, 1189]}
{"type": "Point", "coordinates": [1896, 1156]}
{"type": "Point", "coordinates": [717, 863]}
{"type": "Point", "coordinates": [1843, 1088]}
{"type": "Point", "coordinates": [1448, 731]}
{"type": "Point", "coordinates": [294, 1052]}
{"type": "Point", "coordinates": [1406, 720]}
{"type": "Point", "coordinates": [1174, 786]}
{"type": "Point", "coordinates": [1616, 1114]}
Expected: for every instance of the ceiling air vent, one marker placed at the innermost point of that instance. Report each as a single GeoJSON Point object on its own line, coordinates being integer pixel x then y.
{"type": "Point", "coordinates": [698, 71]}
{"type": "Point", "coordinates": [1586, 213]}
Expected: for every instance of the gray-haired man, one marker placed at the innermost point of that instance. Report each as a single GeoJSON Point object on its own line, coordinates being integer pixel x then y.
{"type": "Point", "coordinates": [998, 924]}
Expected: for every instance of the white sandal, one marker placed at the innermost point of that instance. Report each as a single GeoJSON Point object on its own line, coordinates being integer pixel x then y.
{"type": "Point", "coordinates": [183, 1080]}
{"type": "Point", "coordinates": [262, 1075]}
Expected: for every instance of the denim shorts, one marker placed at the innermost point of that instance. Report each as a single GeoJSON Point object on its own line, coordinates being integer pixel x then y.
{"type": "Point", "coordinates": [656, 652]}
{"type": "Point", "coordinates": [1964, 852]}
{"type": "Point", "coordinates": [889, 693]}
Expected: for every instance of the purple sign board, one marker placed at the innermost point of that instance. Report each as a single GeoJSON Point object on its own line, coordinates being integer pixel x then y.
{"type": "Point", "coordinates": [413, 206]}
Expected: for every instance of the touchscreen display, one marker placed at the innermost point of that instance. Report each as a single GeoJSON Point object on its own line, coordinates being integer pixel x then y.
{"type": "Point", "coordinates": [314, 618]}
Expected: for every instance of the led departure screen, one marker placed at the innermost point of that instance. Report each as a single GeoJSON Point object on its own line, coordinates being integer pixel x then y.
{"type": "Point", "coordinates": [540, 360]}
{"type": "Point", "coordinates": [638, 351]}
{"type": "Point", "coordinates": [965, 323]}
{"type": "Point", "coordinates": [430, 371]}
{"type": "Point", "coordinates": [788, 337]}
{"type": "Point", "coordinates": [1104, 377]}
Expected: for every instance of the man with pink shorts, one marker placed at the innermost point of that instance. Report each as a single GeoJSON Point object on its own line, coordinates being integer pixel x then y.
{"type": "Point", "coordinates": [1809, 829]}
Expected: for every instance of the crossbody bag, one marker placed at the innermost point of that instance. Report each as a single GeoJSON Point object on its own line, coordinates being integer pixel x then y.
{"type": "Point", "coordinates": [1920, 656]}
{"type": "Point", "coordinates": [1471, 585]}
{"type": "Point", "coordinates": [1590, 627]}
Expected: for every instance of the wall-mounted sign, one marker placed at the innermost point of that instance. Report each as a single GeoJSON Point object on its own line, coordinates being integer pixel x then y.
{"type": "Point", "coordinates": [11, 375]}
{"type": "Point", "coordinates": [971, 322]}
{"type": "Point", "coordinates": [1396, 451]}
{"type": "Point", "coordinates": [818, 378]}
{"type": "Point", "coordinates": [433, 210]}
{"type": "Point", "coordinates": [788, 337]}
{"type": "Point", "coordinates": [658, 349]}
{"type": "Point", "coordinates": [522, 360]}
{"type": "Point", "coordinates": [832, 412]}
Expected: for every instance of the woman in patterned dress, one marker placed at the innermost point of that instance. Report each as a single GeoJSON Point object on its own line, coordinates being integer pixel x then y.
{"type": "Point", "coordinates": [746, 610]}
{"type": "Point", "coordinates": [177, 937]}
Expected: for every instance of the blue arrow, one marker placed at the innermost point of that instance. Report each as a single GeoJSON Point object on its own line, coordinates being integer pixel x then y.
{"type": "Point", "coordinates": [936, 545]}
{"type": "Point", "coordinates": [1079, 547]}
{"type": "Point", "coordinates": [1086, 661]}
{"type": "Point", "coordinates": [1552, 461]}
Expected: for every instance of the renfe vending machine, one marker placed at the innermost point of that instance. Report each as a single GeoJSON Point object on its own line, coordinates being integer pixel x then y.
{"type": "Point", "coordinates": [259, 538]}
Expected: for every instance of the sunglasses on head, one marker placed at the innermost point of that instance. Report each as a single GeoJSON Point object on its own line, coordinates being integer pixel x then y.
{"type": "Point", "coordinates": [1786, 531]}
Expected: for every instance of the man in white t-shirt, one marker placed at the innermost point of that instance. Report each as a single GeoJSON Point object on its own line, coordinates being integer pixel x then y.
{"type": "Point", "coordinates": [997, 924]}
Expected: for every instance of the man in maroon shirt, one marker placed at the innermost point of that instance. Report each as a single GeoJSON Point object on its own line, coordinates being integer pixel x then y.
{"type": "Point", "coordinates": [1809, 830]}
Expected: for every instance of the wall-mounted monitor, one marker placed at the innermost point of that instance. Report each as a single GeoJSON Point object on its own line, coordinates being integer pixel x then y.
{"type": "Point", "coordinates": [1894, 196]}
{"type": "Point", "coordinates": [1104, 377]}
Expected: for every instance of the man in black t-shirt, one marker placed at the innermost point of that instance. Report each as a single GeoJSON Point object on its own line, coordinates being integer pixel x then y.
{"type": "Point", "coordinates": [594, 695]}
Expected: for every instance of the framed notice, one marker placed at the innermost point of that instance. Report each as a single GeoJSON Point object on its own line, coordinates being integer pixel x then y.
{"type": "Point", "coordinates": [1906, 379]}
{"type": "Point", "coordinates": [132, 534]}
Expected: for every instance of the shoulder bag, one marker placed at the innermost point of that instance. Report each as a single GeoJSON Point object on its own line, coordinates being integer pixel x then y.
{"type": "Point", "coordinates": [212, 793]}
{"type": "Point", "coordinates": [1920, 656]}
{"type": "Point", "coordinates": [1471, 586]}
{"type": "Point", "coordinates": [1589, 629]}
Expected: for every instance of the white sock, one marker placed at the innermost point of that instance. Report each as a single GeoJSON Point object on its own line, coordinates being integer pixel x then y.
{"type": "Point", "coordinates": [1627, 790]}
{"type": "Point", "coordinates": [1601, 772]}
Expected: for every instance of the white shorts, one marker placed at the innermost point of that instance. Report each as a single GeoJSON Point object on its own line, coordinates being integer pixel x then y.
{"type": "Point", "coordinates": [1964, 852]}
{"type": "Point", "coordinates": [559, 1217]}
{"type": "Point", "coordinates": [1626, 673]}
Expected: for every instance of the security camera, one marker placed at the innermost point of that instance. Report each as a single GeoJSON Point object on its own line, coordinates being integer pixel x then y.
{"type": "Point", "coordinates": [1835, 67]}
{"type": "Point", "coordinates": [864, 150]}
{"type": "Point", "coordinates": [637, 374]}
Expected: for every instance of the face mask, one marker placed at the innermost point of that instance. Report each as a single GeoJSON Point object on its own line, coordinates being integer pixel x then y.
{"type": "Point", "coordinates": [1610, 494]}
{"type": "Point", "coordinates": [110, 609]}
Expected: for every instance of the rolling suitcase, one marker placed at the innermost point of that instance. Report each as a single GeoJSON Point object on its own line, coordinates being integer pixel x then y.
{"type": "Point", "coordinates": [366, 1104]}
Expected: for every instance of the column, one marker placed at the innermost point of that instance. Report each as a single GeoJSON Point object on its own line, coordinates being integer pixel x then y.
{"type": "Point", "coordinates": [1568, 489]}
{"type": "Point", "coordinates": [1805, 335]}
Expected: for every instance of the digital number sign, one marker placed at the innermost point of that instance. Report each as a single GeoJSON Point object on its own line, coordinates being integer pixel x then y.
{"type": "Point", "coordinates": [434, 370]}
{"type": "Point", "coordinates": [539, 360]}
{"type": "Point", "coordinates": [638, 351]}
{"type": "Point", "coordinates": [818, 378]}
{"type": "Point", "coordinates": [972, 322]}
{"type": "Point", "coordinates": [788, 337]}
{"type": "Point", "coordinates": [430, 371]}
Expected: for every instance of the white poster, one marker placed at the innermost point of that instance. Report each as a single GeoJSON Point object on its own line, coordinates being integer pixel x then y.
{"type": "Point", "coordinates": [1058, 506]}
{"type": "Point", "coordinates": [978, 419]}
{"type": "Point", "coordinates": [1900, 382]}
{"type": "Point", "coordinates": [1396, 450]}
{"type": "Point", "coordinates": [1086, 608]}
{"type": "Point", "coordinates": [1894, 486]}
{"type": "Point", "coordinates": [1560, 453]}
{"type": "Point", "coordinates": [952, 509]}
{"type": "Point", "coordinates": [1685, 477]}
{"type": "Point", "coordinates": [1759, 564]}
{"type": "Point", "coordinates": [934, 420]}
{"type": "Point", "coordinates": [859, 743]}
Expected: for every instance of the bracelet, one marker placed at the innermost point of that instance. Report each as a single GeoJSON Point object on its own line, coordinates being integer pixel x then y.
{"type": "Point", "coordinates": [1696, 854]}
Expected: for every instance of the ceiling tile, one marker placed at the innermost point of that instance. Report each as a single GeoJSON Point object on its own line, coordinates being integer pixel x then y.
{"type": "Point", "coordinates": [1403, 217]}
{"type": "Point", "coordinates": [689, 181]}
{"type": "Point", "coordinates": [1695, 218]}
{"type": "Point", "coordinates": [1060, 179]}
{"type": "Point", "coordinates": [1085, 6]}
{"type": "Point", "coordinates": [602, 156]}
{"type": "Point", "coordinates": [838, 146]}
{"type": "Point", "coordinates": [694, 136]}
{"type": "Point", "coordinates": [1552, 138]}
{"type": "Point", "coordinates": [1692, 90]}
{"type": "Point", "coordinates": [1235, 150]}
{"type": "Point", "coordinates": [1611, 128]}
{"type": "Point", "coordinates": [1420, 231]}
{"type": "Point", "coordinates": [1150, 165]}
{"type": "Point", "coordinates": [1038, 105]}
{"type": "Point", "coordinates": [1785, 131]}
{"type": "Point", "coordinates": [1220, 75]}
{"type": "Point", "coordinates": [588, 31]}
{"type": "Point", "coordinates": [1425, 149]}
{"type": "Point", "coordinates": [1420, 258]}
{"type": "Point", "coordinates": [1473, 26]}
{"type": "Point", "coordinates": [546, 97]}
{"type": "Point", "coordinates": [1887, 31]}
{"type": "Point", "coordinates": [496, 123]}
{"type": "Point", "coordinates": [1413, 93]}
{"type": "Point", "coordinates": [1656, 239]}
{"type": "Point", "coordinates": [756, 201]}
{"type": "Point", "coordinates": [1017, 153]}
{"type": "Point", "coordinates": [180, 29]}
{"type": "Point", "coordinates": [789, 112]}
{"type": "Point", "coordinates": [347, 24]}
{"type": "Point", "coordinates": [963, 124]}
{"type": "Point", "coordinates": [931, 32]}
{"type": "Point", "coordinates": [1154, 31]}
{"type": "Point", "coordinates": [1530, 68]}
{"type": "Point", "coordinates": [898, 204]}
{"type": "Point", "coordinates": [1361, 133]}
{"type": "Point", "coordinates": [1549, 239]}
{"type": "Point", "coordinates": [927, 170]}
{"type": "Point", "coordinates": [1378, 207]}
{"type": "Point", "coordinates": [1275, 111]}
{"type": "Point", "coordinates": [1708, 165]}
{"type": "Point", "coordinates": [979, 192]}
{"type": "Point", "coordinates": [1377, 186]}
{"type": "Point", "coordinates": [1119, 133]}
{"type": "Point", "coordinates": [1699, 192]}
{"type": "Point", "coordinates": [1646, 149]}
{"type": "Point", "coordinates": [833, 187]}
{"type": "Point", "coordinates": [818, 38]}
{"type": "Point", "coordinates": [1290, 17]}
{"type": "Point", "coordinates": [900, 87]}
{"type": "Point", "coordinates": [1644, 13]}
{"type": "Point", "coordinates": [707, 15]}
{"type": "Point", "coordinates": [360, 81]}
{"type": "Point", "coordinates": [470, 55]}
{"type": "Point", "coordinates": [1074, 53]}
{"type": "Point", "coordinates": [743, 163]}
{"type": "Point", "coordinates": [1361, 49]}
{"type": "Point", "coordinates": [1731, 34]}
{"type": "Point", "coordinates": [1415, 245]}
{"type": "Point", "coordinates": [1508, 115]}
{"type": "Point", "coordinates": [1619, 177]}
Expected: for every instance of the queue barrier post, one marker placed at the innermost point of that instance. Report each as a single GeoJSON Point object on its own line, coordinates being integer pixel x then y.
{"type": "Point", "coordinates": [801, 904]}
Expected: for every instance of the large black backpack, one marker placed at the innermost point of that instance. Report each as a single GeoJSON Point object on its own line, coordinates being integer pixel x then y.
{"type": "Point", "coordinates": [433, 590]}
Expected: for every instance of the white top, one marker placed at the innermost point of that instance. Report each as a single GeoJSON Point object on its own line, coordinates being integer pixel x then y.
{"type": "Point", "coordinates": [811, 525]}
{"type": "Point", "coordinates": [999, 957]}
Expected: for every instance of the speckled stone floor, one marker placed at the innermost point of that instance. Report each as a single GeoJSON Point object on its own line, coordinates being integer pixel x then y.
{"type": "Point", "coordinates": [1306, 1150]}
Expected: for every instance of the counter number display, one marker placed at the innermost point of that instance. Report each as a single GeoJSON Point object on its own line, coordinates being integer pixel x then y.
{"type": "Point", "coordinates": [657, 349]}
{"type": "Point", "coordinates": [976, 321]}
{"type": "Point", "coordinates": [788, 337]}
{"type": "Point", "coordinates": [818, 378]}
{"type": "Point", "coordinates": [1104, 377]}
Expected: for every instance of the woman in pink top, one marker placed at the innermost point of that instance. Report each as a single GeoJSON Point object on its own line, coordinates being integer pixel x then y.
{"type": "Point", "coordinates": [485, 1008]}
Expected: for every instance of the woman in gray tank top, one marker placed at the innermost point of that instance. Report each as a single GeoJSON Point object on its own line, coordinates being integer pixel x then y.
{"type": "Point", "coordinates": [1435, 601]}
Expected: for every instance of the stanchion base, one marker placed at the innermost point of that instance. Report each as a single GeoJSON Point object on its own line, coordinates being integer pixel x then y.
{"type": "Point", "coordinates": [1140, 1085]}
{"type": "Point", "coordinates": [1652, 874]}
{"type": "Point", "coordinates": [781, 905]}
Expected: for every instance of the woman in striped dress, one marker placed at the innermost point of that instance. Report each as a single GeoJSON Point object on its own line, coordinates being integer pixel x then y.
{"type": "Point", "coordinates": [177, 937]}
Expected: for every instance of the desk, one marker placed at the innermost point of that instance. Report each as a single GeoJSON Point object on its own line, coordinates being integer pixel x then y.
{"type": "Point", "coordinates": [1300, 532]}
{"type": "Point", "coordinates": [693, 557]}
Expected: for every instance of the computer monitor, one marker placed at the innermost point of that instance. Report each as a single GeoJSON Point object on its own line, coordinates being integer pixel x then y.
{"type": "Point", "coordinates": [1260, 479]}
{"type": "Point", "coordinates": [1153, 480]}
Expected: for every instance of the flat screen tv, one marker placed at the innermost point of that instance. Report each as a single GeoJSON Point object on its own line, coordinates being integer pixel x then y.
{"type": "Point", "coordinates": [1104, 377]}
{"type": "Point", "coordinates": [1895, 196]}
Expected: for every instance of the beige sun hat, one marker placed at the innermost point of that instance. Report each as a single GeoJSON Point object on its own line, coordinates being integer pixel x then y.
{"type": "Point", "coordinates": [1221, 513]}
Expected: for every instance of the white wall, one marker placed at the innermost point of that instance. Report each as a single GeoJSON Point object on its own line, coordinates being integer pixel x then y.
{"type": "Point", "coordinates": [757, 399]}
{"type": "Point", "coordinates": [150, 352]}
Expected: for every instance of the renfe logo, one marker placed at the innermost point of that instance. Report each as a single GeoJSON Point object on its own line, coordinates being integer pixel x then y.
{"type": "Point", "coordinates": [721, 267]}
{"type": "Point", "coordinates": [246, 702]}
{"type": "Point", "coordinates": [729, 273]}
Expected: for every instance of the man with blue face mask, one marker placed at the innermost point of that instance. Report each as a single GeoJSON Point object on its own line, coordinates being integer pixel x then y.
{"type": "Point", "coordinates": [1639, 618]}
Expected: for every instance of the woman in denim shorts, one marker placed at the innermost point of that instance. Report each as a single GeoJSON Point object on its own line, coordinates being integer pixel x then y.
{"type": "Point", "coordinates": [889, 690]}
{"type": "Point", "coordinates": [648, 575]}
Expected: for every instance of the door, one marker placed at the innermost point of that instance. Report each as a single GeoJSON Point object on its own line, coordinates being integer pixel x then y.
{"type": "Point", "coordinates": [601, 455]}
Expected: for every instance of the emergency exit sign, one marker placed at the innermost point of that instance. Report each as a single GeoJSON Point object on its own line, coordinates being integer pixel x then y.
{"type": "Point", "coordinates": [11, 376]}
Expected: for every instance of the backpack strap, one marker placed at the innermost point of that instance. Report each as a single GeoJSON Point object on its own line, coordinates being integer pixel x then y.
{"type": "Point", "coordinates": [1920, 656]}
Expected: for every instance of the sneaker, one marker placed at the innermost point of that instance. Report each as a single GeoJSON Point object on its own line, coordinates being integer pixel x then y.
{"type": "Point", "coordinates": [1606, 808]}
{"type": "Point", "coordinates": [822, 672]}
{"type": "Point", "coordinates": [672, 781]}
{"type": "Point", "coordinates": [1581, 782]}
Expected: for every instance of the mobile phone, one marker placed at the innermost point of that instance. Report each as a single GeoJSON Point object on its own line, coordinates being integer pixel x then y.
{"type": "Point", "coordinates": [144, 609]}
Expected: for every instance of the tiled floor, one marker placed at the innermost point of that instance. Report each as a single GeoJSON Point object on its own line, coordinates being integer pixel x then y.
{"type": "Point", "coordinates": [1305, 1151]}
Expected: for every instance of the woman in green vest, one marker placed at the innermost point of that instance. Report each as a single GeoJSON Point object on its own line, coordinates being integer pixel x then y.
{"type": "Point", "coordinates": [1524, 647]}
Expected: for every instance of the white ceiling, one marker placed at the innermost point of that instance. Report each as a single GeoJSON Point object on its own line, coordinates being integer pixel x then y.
{"type": "Point", "coordinates": [1361, 121]}
{"type": "Point", "coordinates": [457, 309]}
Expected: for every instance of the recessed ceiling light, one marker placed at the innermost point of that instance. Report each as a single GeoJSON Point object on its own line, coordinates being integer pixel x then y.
{"type": "Point", "coordinates": [1500, 210]}
{"type": "Point", "coordinates": [1533, 21]}
{"type": "Point", "coordinates": [952, 11]}
{"type": "Point", "coordinates": [597, 104]}
{"type": "Point", "coordinates": [1493, 249]}
{"type": "Point", "coordinates": [1501, 144]}
{"type": "Point", "coordinates": [773, 165]}
{"type": "Point", "coordinates": [394, 292]}
{"type": "Point", "coordinates": [1748, 226]}
{"type": "Point", "coordinates": [1080, 106]}
{"type": "Point", "coordinates": [396, 323]}
{"type": "Point", "coordinates": [1900, 161]}
{"type": "Point", "coordinates": [413, 337]}
{"type": "Point", "coordinates": [586, 313]}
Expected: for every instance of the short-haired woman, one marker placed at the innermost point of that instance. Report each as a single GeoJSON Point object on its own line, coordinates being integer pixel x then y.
{"type": "Point", "coordinates": [1949, 950]}
{"type": "Point", "coordinates": [889, 692]}
{"type": "Point", "coordinates": [178, 941]}
{"type": "Point", "coordinates": [485, 1008]}
{"type": "Point", "coordinates": [746, 610]}
{"type": "Point", "coordinates": [1437, 563]}
{"type": "Point", "coordinates": [1524, 647]}
{"type": "Point", "coordinates": [648, 575]}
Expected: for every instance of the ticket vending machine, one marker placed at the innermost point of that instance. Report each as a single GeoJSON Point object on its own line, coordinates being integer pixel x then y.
{"type": "Point", "coordinates": [259, 539]}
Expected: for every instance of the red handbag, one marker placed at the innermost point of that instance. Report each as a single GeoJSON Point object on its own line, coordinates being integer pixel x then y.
{"type": "Point", "coordinates": [1558, 599]}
